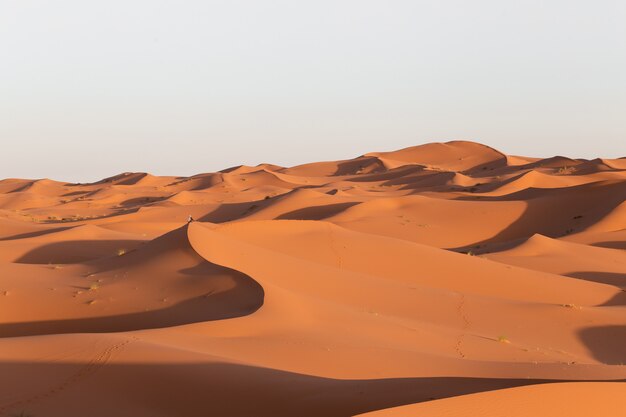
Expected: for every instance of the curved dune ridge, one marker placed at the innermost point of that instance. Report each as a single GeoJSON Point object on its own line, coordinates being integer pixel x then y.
{"type": "Point", "coordinates": [442, 279]}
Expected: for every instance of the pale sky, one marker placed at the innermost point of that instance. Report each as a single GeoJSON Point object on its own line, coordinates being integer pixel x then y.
{"type": "Point", "coordinates": [89, 89]}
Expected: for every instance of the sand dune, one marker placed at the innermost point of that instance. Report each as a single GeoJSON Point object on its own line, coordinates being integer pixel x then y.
{"type": "Point", "coordinates": [564, 399]}
{"type": "Point", "coordinates": [442, 279]}
{"type": "Point", "coordinates": [452, 156]}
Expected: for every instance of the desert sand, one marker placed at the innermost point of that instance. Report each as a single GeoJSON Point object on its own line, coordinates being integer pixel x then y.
{"type": "Point", "coordinates": [446, 279]}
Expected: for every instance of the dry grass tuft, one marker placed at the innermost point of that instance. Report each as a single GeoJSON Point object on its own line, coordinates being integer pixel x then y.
{"type": "Point", "coordinates": [566, 170]}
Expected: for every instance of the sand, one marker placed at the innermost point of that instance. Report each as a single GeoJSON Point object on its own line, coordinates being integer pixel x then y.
{"type": "Point", "coordinates": [447, 279]}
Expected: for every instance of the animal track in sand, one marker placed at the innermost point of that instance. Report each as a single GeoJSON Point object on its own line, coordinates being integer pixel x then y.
{"type": "Point", "coordinates": [466, 323]}
{"type": "Point", "coordinates": [84, 371]}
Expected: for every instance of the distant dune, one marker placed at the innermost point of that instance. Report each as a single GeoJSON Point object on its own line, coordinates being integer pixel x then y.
{"type": "Point", "coordinates": [447, 279]}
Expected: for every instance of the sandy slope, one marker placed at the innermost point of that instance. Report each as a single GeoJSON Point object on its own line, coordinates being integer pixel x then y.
{"type": "Point", "coordinates": [556, 400]}
{"type": "Point", "coordinates": [443, 279]}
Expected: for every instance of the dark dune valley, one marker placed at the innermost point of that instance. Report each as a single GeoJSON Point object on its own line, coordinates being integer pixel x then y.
{"type": "Point", "coordinates": [447, 279]}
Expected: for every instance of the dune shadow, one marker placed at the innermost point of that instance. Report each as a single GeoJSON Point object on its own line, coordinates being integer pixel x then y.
{"type": "Point", "coordinates": [483, 169]}
{"type": "Point", "coordinates": [244, 298]}
{"type": "Point", "coordinates": [388, 175]}
{"type": "Point", "coordinates": [76, 251]}
{"type": "Point", "coordinates": [233, 390]}
{"type": "Point", "coordinates": [606, 343]}
{"type": "Point", "coordinates": [553, 212]}
{"type": "Point", "coordinates": [618, 299]}
{"type": "Point", "coordinates": [141, 201]}
{"type": "Point", "coordinates": [356, 166]}
{"type": "Point", "coordinates": [316, 212]}
{"type": "Point", "coordinates": [235, 211]}
{"type": "Point", "coordinates": [488, 187]}
{"type": "Point", "coordinates": [611, 278]}
{"type": "Point", "coordinates": [232, 211]}
{"type": "Point", "coordinates": [36, 233]}
{"type": "Point", "coordinates": [617, 244]}
{"type": "Point", "coordinates": [421, 179]}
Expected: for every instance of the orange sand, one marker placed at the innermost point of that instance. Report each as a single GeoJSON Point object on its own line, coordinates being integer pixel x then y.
{"type": "Point", "coordinates": [439, 280]}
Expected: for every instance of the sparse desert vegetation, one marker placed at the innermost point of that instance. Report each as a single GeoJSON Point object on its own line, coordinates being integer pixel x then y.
{"type": "Point", "coordinates": [566, 170]}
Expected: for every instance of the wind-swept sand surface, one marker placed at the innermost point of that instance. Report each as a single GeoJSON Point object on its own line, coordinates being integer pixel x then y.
{"type": "Point", "coordinates": [439, 280]}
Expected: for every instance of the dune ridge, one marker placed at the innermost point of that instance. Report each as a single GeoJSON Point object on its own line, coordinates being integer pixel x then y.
{"type": "Point", "coordinates": [441, 279]}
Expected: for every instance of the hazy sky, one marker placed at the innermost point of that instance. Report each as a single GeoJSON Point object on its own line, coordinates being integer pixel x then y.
{"type": "Point", "coordinates": [89, 89]}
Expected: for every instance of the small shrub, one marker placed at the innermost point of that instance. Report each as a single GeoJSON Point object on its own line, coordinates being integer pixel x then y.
{"type": "Point", "coordinates": [566, 170]}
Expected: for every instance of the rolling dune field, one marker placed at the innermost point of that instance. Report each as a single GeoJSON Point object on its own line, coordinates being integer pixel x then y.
{"type": "Point", "coordinates": [446, 279]}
